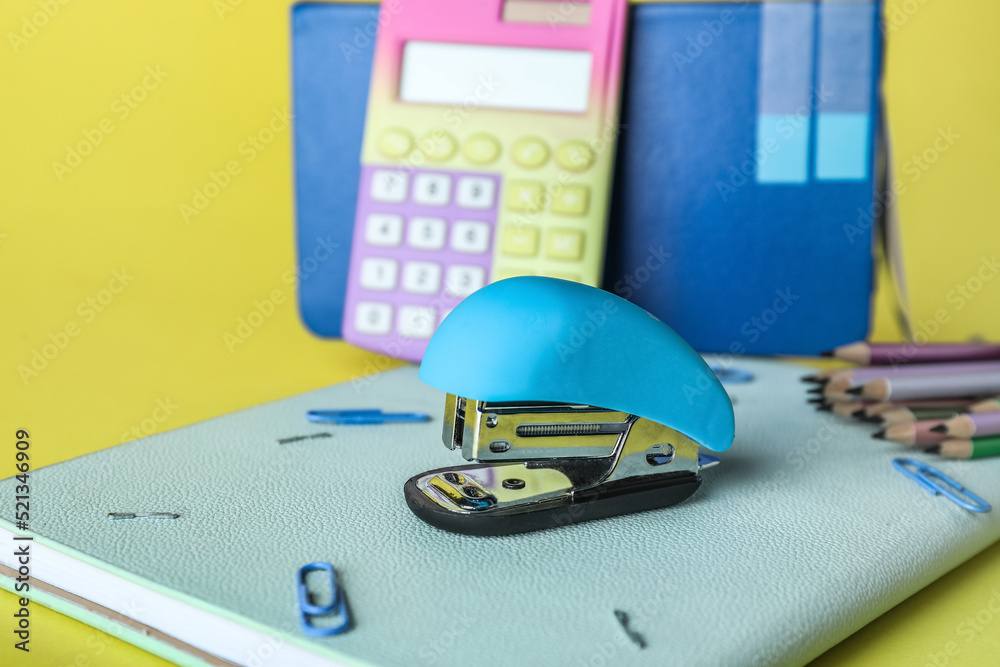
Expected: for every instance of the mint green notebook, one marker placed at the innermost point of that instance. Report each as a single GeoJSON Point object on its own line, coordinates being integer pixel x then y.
{"type": "Point", "coordinates": [802, 534]}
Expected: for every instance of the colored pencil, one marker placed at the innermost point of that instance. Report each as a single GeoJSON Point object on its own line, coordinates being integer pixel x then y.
{"type": "Point", "coordinates": [929, 386]}
{"type": "Point", "coordinates": [823, 376]}
{"type": "Point", "coordinates": [971, 426]}
{"type": "Point", "coordinates": [977, 448]}
{"type": "Point", "coordinates": [913, 433]}
{"type": "Point", "coordinates": [905, 415]}
{"type": "Point", "coordinates": [846, 409]}
{"type": "Point", "coordinates": [989, 405]}
{"type": "Point", "coordinates": [852, 377]}
{"type": "Point", "coordinates": [875, 408]}
{"type": "Point", "coordinates": [883, 354]}
{"type": "Point", "coordinates": [840, 397]}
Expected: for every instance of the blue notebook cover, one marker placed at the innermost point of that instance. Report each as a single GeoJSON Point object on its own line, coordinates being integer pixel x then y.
{"type": "Point", "coordinates": [745, 175]}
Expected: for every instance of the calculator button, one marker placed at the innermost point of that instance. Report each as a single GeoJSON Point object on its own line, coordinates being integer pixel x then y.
{"type": "Point", "coordinates": [571, 200]}
{"type": "Point", "coordinates": [572, 277]}
{"type": "Point", "coordinates": [503, 274]}
{"type": "Point", "coordinates": [426, 233]}
{"type": "Point", "coordinates": [432, 189]}
{"type": "Point", "coordinates": [395, 142]}
{"type": "Point", "coordinates": [475, 192]}
{"type": "Point", "coordinates": [520, 240]}
{"type": "Point", "coordinates": [379, 274]}
{"type": "Point", "coordinates": [384, 230]}
{"type": "Point", "coordinates": [530, 152]}
{"type": "Point", "coordinates": [373, 318]}
{"type": "Point", "coordinates": [464, 280]}
{"type": "Point", "coordinates": [416, 321]}
{"type": "Point", "coordinates": [525, 196]}
{"type": "Point", "coordinates": [389, 185]}
{"type": "Point", "coordinates": [575, 155]}
{"type": "Point", "coordinates": [564, 244]}
{"type": "Point", "coordinates": [481, 148]}
{"type": "Point", "coordinates": [422, 277]}
{"type": "Point", "coordinates": [438, 145]}
{"type": "Point", "coordinates": [469, 236]}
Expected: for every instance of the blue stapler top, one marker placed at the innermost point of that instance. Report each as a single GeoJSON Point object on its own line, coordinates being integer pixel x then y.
{"type": "Point", "coordinates": [544, 339]}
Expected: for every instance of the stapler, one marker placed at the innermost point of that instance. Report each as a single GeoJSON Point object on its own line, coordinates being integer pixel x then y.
{"type": "Point", "coordinates": [571, 403]}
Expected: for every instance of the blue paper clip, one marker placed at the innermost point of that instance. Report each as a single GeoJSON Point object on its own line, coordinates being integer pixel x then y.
{"type": "Point", "coordinates": [364, 416]}
{"type": "Point", "coordinates": [731, 375]}
{"type": "Point", "coordinates": [307, 609]}
{"type": "Point", "coordinates": [927, 477]}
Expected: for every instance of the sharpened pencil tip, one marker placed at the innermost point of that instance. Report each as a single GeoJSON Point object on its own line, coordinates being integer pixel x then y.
{"type": "Point", "coordinates": [826, 407]}
{"type": "Point", "coordinates": [859, 413]}
{"type": "Point", "coordinates": [815, 390]}
{"type": "Point", "coordinates": [940, 428]}
{"type": "Point", "coordinates": [879, 436]}
{"type": "Point", "coordinates": [873, 419]}
{"type": "Point", "coordinates": [809, 378]}
{"type": "Point", "coordinates": [818, 399]}
{"type": "Point", "coordinates": [856, 391]}
{"type": "Point", "coordinates": [828, 353]}
{"type": "Point", "coordinates": [933, 449]}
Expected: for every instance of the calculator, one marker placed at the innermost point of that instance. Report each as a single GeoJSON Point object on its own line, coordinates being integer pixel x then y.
{"type": "Point", "coordinates": [488, 151]}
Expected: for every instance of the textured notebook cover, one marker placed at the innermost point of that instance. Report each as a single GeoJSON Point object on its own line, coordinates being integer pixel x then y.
{"type": "Point", "coordinates": [800, 536]}
{"type": "Point", "coordinates": [744, 177]}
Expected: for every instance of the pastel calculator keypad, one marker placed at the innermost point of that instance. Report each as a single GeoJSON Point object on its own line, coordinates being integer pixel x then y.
{"type": "Point", "coordinates": [488, 149]}
{"type": "Point", "coordinates": [423, 241]}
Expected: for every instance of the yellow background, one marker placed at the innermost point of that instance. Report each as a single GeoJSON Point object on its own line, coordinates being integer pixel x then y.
{"type": "Point", "coordinates": [161, 338]}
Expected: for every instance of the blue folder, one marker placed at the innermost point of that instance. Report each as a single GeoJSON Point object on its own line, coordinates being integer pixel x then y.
{"type": "Point", "coordinates": [742, 211]}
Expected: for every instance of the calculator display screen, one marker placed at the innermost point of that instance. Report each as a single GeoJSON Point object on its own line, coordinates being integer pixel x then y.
{"type": "Point", "coordinates": [502, 77]}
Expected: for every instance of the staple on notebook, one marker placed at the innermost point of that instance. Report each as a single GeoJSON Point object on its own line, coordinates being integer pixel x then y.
{"type": "Point", "coordinates": [636, 638]}
{"type": "Point", "coordinates": [143, 515]}
{"type": "Point", "coordinates": [297, 438]}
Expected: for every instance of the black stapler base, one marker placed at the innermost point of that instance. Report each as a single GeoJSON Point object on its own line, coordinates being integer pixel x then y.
{"type": "Point", "coordinates": [606, 500]}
